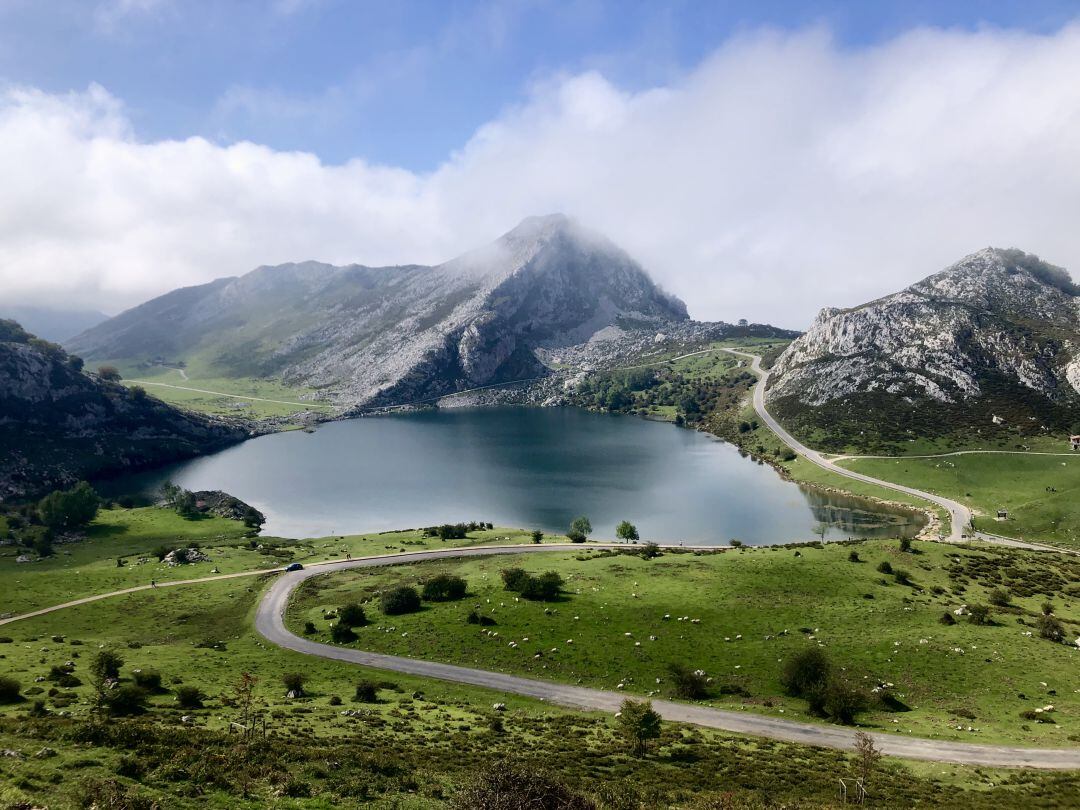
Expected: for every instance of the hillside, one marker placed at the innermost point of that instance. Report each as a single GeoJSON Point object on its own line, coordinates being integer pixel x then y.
{"type": "Point", "coordinates": [59, 424]}
{"type": "Point", "coordinates": [371, 335]}
{"type": "Point", "coordinates": [987, 348]}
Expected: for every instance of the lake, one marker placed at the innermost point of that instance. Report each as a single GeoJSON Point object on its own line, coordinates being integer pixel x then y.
{"type": "Point", "coordinates": [526, 467]}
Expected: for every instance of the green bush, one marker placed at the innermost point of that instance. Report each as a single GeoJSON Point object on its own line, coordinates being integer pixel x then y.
{"type": "Point", "coordinates": [341, 633]}
{"type": "Point", "coordinates": [189, 697]}
{"type": "Point", "coordinates": [805, 672]}
{"type": "Point", "coordinates": [1050, 629]}
{"type": "Point", "coordinates": [402, 599]}
{"type": "Point", "coordinates": [978, 614]}
{"type": "Point", "coordinates": [126, 699]}
{"type": "Point", "coordinates": [9, 690]}
{"type": "Point", "coordinates": [998, 597]}
{"type": "Point", "coordinates": [106, 664]}
{"type": "Point", "coordinates": [444, 588]}
{"type": "Point", "coordinates": [687, 683]}
{"type": "Point", "coordinates": [294, 682]}
{"type": "Point", "coordinates": [514, 578]}
{"type": "Point", "coordinates": [544, 588]}
{"type": "Point", "coordinates": [367, 692]}
{"type": "Point", "coordinates": [884, 567]}
{"type": "Point", "coordinates": [352, 615]}
{"type": "Point", "coordinates": [147, 679]}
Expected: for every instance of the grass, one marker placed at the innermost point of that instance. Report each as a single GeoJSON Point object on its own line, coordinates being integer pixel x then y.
{"type": "Point", "coordinates": [422, 738]}
{"type": "Point", "coordinates": [816, 597]}
{"type": "Point", "coordinates": [90, 567]}
{"type": "Point", "coordinates": [1041, 493]}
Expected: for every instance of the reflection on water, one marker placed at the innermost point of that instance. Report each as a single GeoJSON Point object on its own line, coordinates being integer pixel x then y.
{"type": "Point", "coordinates": [528, 467]}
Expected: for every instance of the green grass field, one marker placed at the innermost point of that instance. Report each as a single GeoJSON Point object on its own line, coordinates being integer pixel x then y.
{"type": "Point", "coordinates": [90, 567]}
{"type": "Point", "coordinates": [964, 675]}
{"type": "Point", "coordinates": [1041, 493]}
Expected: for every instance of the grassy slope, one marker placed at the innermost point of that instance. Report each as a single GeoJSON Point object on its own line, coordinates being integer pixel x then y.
{"type": "Point", "coordinates": [89, 567]}
{"type": "Point", "coordinates": [988, 482]}
{"type": "Point", "coordinates": [753, 593]}
{"type": "Point", "coordinates": [406, 751]}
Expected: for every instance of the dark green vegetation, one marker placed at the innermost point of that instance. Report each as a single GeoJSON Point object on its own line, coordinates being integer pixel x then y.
{"type": "Point", "coordinates": [738, 617]}
{"type": "Point", "coordinates": [59, 424]}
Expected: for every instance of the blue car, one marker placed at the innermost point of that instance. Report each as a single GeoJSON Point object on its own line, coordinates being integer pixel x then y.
{"type": "Point", "coordinates": [294, 567]}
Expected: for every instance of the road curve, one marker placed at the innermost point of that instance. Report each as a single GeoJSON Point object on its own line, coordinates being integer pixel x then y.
{"type": "Point", "coordinates": [269, 621]}
{"type": "Point", "coordinates": [959, 515]}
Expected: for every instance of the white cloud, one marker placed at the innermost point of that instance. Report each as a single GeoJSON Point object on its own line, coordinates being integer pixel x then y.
{"type": "Point", "coordinates": [781, 175]}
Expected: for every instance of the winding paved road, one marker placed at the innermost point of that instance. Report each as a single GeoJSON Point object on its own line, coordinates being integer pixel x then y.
{"type": "Point", "coordinates": [269, 621]}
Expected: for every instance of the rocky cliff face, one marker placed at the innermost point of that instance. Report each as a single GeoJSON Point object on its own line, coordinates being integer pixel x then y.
{"type": "Point", "coordinates": [996, 334]}
{"type": "Point", "coordinates": [59, 424]}
{"type": "Point", "coordinates": [399, 334]}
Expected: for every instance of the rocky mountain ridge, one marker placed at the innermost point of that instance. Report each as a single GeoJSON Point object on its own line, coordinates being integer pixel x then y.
{"type": "Point", "coordinates": [59, 424]}
{"type": "Point", "coordinates": [994, 335]}
{"type": "Point", "coordinates": [369, 336]}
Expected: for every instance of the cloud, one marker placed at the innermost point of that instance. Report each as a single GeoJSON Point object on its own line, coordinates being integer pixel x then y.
{"type": "Point", "coordinates": [110, 14]}
{"type": "Point", "coordinates": [781, 175]}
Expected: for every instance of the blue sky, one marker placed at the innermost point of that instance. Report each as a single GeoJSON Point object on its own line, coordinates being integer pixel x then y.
{"type": "Point", "coordinates": [760, 159]}
{"type": "Point", "coordinates": [403, 83]}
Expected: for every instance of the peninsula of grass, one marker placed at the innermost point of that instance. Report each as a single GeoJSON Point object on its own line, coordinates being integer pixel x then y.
{"type": "Point", "coordinates": [121, 549]}
{"type": "Point", "coordinates": [623, 620]}
{"type": "Point", "coordinates": [1040, 493]}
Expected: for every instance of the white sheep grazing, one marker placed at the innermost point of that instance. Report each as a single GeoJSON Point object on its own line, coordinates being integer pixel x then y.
{"type": "Point", "coordinates": [628, 634]}
{"type": "Point", "coordinates": [569, 641]}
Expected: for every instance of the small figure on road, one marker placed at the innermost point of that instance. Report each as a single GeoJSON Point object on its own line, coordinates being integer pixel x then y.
{"type": "Point", "coordinates": [153, 584]}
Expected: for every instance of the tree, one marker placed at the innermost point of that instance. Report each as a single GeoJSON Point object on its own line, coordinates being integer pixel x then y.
{"type": "Point", "coordinates": [444, 588]}
{"type": "Point", "coordinates": [341, 633]}
{"type": "Point", "coordinates": [366, 692]}
{"type": "Point", "coordinates": [1050, 628]}
{"type": "Point", "coordinates": [689, 684]}
{"type": "Point", "coordinates": [189, 697]}
{"type": "Point", "coordinates": [106, 665]}
{"type": "Point", "coordinates": [580, 529]}
{"type": "Point", "coordinates": [244, 699]}
{"type": "Point", "coordinates": [840, 700]}
{"type": "Point", "coordinates": [537, 536]}
{"type": "Point", "coordinates": [639, 723]}
{"type": "Point", "coordinates": [352, 615]}
{"type": "Point", "coordinates": [627, 531]}
{"type": "Point", "coordinates": [109, 373]}
{"type": "Point", "coordinates": [867, 757]}
{"type": "Point", "coordinates": [9, 690]}
{"type": "Point", "coordinates": [514, 578]}
{"type": "Point", "coordinates": [978, 614]}
{"type": "Point", "coordinates": [403, 599]}
{"type": "Point", "coordinates": [294, 683]}
{"type": "Point", "coordinates": [74, 508]}
{"type": "Point", "coordinates": [805, 672]}
{"type": "Point", "coordinates": [253, 518]}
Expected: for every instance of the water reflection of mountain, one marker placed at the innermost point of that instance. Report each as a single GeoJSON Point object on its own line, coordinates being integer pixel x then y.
{"type": "Point", "coordinates": [859, 517]}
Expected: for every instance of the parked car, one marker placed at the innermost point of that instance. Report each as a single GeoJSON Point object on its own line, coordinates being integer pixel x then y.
{"type": "Point", "coordinates": [294, 567]}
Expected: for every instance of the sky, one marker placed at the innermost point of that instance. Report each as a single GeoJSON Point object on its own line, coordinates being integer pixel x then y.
{"type": "Point", "coordinates": [761, 159]}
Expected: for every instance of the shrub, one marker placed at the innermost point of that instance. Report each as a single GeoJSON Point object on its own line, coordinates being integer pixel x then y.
{"type": "Point", "coordinates": [805, 672]}
{"type": "Point", "coordinates": [352, 615]}
{"type": "Point", "coordinates": [294, 682]}
{"type": "Point", "coordinates": [537, 536]}
{"type": "Point", "coordinates": [901, 576]}
{"type": "Point", "coordinates": [511, 785]}
{"type": "Point", "coordinates": [189, 697]}
{"type": "Point", "coordinates": [884, 567]}
{"type": "Point", "coordinates": [905, 544]}
{"type": "Point", "coordinates": [129, 766]}
{"type": "Point", "coordinates": [477, 618]}
{"type": "Point", "coordinates": [147, 679]}
{"type": "Point", "coordinates": [341, 633]}
{"type": "Point", "coordinates": [444, 588]}
{"type": "Point", "coordinates": [514, 578]}
{"type": "Point", "coordinates": [544, 588]}
{"type": "Point", "coordinates": [998, 597]}
{"type": "Point", "coordinates": [367, 692]}
{"type": "Point", "coordinates": [335, 700]}
{"type": "Point", "coordinates": [947, 619]}
{"type": "Point", "coordinates": [853, 556]}
{"type": "Point", "coordinates": [125, 699]}
{"type": "Point", "coordinates": [687, 683]}
{"type": "Point", "coordinates": [1050, 629]}
{"type": "Point", "coordinates": [309, 628]}
{"type": "Point", "coordinates": [403, 599]}
{"type": "Point", "coordinates": [978, 614]}
{"type": "Point", "coordinates": [841, 701]}
{"type": "Point", "coordinates": [649, 551]}
{"type": "Point", "coordinates": [9, 690]}
{"type": "Point", "coordinates": [1047, 609]}
{"type": "Point", "coordinates": [106, 664]}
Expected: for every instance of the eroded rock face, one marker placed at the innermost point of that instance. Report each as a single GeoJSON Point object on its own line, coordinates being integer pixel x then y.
{"type": "Point", "coordinates": [997, 315]}
{"type": "Point", "coordinates": [395, 335]}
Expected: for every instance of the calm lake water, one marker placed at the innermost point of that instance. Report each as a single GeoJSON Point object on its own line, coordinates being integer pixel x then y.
{"type": "Point", "coordinates": [528, 467]}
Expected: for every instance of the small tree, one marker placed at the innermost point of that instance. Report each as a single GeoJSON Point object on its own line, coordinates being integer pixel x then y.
{"type": "Point", "coordinates": [294, 683]}
{"type": "Point", "coordinates": [840, 700]}
{"type": "Point", "coordinates": [978, 614]}
{"type": "Point", "coordinates": [580, 529]}
{"type": "Point", "coordinates": [867, 757]}
{"type": "Point", "coordinates": [68, 509]}
{"type": "Point", "coordinates": [9, 690]}
{"type": "Point", "coordinates": [805, 672]}
{"type": "Point", "coordinates": [639, 723]}
{"type": "Point", "coordinates": [253, 518]}
{"type": "Point", "coordinates": [853, 556]}
{"type": "Point", "coordinates": [106, 665]}
{"type": "Point", "coordinates": [367, 692]}
{"type": "Point", "coordinates": [125, 699]}
{"type": "Point", "coordinates": [537, 536]}
{"type": "Point", "coordinates": [341, 633]}
{"type": "Point", "coordinates": [688, 684]}
{"type": "Point", "coordinates": [444, 588]}
{"type": "Point", "coordinates": [189, 697]}
{"type": "Point", "coordinates": [543, 588]}
{"type": "Point", "coordinates": [1050, 629]}
{"type": "Point", "coordinates": [352, 615]}
{"type": "Point", "coordinates": [109, 373]}
{"type": "Point", "coordinates": [884, 567]}
{"type": "Point", "coordinates": [514, 579]}
{"type": "Point", "coordinates": [998, 597]}
{"type": "Point", "coordinates": [627, 532]}
{"type": "Point", "coordinates": [147, 679]}
{"type": "Point", "coordinates": [402, 599]}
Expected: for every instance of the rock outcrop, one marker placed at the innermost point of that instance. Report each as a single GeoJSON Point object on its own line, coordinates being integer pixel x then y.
{"type": "Point", "coordinates": [997, 334]}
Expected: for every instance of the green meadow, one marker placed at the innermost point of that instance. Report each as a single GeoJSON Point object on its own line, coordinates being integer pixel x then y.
{"type": "Point", "coordinates": [1040, 493]}
{"type": "Point", "coordinates": [737, 615]}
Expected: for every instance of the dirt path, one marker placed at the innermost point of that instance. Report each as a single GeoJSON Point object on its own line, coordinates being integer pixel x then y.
{"type": "Point", "coordinates": [231, 396]}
